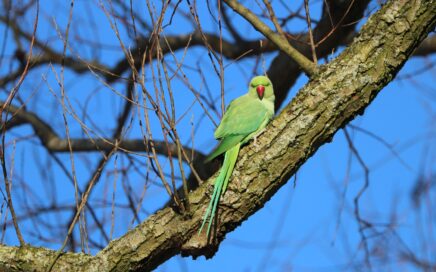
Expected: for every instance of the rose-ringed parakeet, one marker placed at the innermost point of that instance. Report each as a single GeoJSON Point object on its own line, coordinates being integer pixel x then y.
{"type": "Point", "coordinates": [245, 117]}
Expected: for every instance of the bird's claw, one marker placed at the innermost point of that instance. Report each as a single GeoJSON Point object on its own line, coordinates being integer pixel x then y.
{"type": "Point", "coordinates": [255, 142]}
{"type": "Point", "coordinates": [255, 138]}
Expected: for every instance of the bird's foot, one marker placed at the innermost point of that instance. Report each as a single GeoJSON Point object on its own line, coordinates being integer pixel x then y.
{"type": "Point", "coordinates": [255, 138]}
{"type": "Point", "coordinates": [255, 142]}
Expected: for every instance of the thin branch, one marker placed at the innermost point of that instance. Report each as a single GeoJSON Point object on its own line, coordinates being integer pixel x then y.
{"type": "Point", "coordinates": [9, 100]}
{"type": "Point", "coordinates": [363, 224]}
{"type": "Point", "coordinates": [284, 71]}
{"type": "Point", "coordinates": [306, 65]}
{"type": "Point", "coordinates": [309, 27]}
{"type": "Point", "coordinates": [230, 26]}
{"type": "Point", "coordinates": [274, 19]}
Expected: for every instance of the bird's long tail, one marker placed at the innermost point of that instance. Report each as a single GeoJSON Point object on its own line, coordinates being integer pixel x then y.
{"type": "Point", "coordinates": [220, 186]}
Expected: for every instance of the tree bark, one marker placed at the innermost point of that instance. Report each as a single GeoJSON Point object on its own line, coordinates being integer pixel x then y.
{"type": "Point", "coordinates": [341, 90]}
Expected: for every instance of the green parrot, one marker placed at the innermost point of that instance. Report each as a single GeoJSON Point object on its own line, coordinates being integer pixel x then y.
{"type": "Point", "coordinates": [245, 118]}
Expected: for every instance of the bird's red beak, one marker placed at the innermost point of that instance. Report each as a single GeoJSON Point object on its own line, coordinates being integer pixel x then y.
{"type": "Point", "coordinates": [260, 91]}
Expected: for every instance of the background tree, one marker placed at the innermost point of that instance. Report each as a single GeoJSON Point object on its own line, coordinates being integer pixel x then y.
{"type": "Point", "coordinates": [108, 110]}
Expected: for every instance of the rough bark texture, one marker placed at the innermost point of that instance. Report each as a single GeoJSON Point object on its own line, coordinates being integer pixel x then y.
{"type": "Point", "coordinates": [38, 259]}
{"type": "Point", "coordinates": [341, 90]}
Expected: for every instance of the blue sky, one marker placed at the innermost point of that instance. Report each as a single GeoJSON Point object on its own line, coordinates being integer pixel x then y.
{"type": "Point", "coordinates": [309, 225]}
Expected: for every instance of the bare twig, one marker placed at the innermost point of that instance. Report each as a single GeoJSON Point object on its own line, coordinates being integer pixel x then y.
{"type": "Point", "coordinates": [363, 224]}
{"type": "Point", "coordinates": [274, 19]}
{"type": "Point", "coordinates": [8, 102]}
{"type": "Point", "coordinates": [308, 67]}
{"type": "Point", "coordinates": [309, 27]}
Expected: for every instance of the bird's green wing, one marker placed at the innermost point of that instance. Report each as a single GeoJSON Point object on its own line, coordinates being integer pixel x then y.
{"type": "Point", "coordinates": [243, 116]}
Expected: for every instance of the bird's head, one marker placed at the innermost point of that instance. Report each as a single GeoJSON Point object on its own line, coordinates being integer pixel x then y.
{"type": "Point", "coordinates": [261, 87]}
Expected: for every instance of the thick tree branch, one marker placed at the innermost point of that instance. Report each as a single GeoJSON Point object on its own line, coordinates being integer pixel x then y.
{"type": "Point", "coordinates": [29, 258]}
{"type": "Point", "coordinates": [342, 89]}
